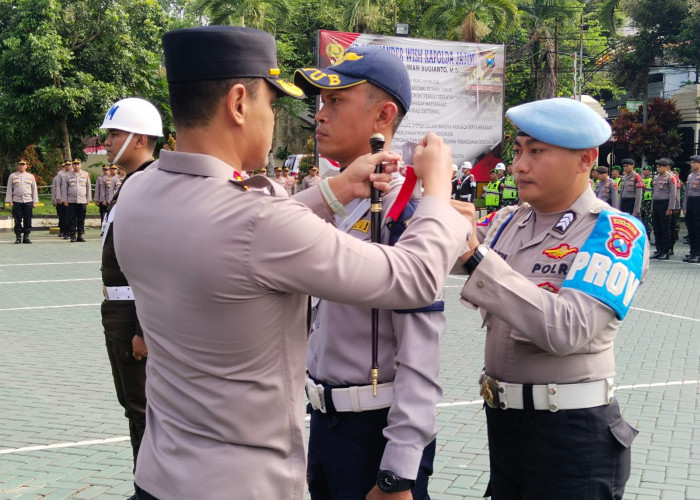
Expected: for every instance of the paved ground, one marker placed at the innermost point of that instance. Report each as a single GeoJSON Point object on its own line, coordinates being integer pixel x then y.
{"type": "Point", "coordinates": [62, 433]}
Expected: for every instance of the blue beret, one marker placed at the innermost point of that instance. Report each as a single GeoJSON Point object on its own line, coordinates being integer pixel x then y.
{"type": "Point", "coordinates": [561, 122]}
{"type": "Point", "coordinates": [370, 63]}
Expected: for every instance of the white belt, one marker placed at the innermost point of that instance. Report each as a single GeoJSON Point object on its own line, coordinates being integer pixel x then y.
{"type": "Point", "coordinates": [554, 397]}
{"type": "Point", "coordinates": [118, 293]}
{"type": "Point", "coordinates": [355, 399]}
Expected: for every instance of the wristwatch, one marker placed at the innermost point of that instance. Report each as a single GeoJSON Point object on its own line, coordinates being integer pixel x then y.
{"type": "Point", "coordinates": [476, 257]}
{"type": "Point", "coordinates": [389, 482]}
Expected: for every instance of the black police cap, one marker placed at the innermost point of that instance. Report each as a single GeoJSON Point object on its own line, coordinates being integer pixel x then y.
{"type": "Point", "coordinates": [221, 52]}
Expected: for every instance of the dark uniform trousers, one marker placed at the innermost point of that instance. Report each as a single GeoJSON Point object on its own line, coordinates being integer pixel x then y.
{"type": "Point", "coordinates": [22, 214]}
{"type": "Point", "coordinates": [692, 221]}
{"type": "Point", "coordinates": [578, 450]}
{"type": "Point", "coordinates": [662, 225]}
{"type": "Point", "coordinates": [627, 205]}
{"type": "Point", "coordinates": [346, 446]}
{"type": "Point", "coordinates": [62, 212]}
{"type": "Point", "coordinates": [76, 217]}
{"type": "Point", "coordinates": [646, 218]}
{"type": "Point", "coordinates": [120, 324]}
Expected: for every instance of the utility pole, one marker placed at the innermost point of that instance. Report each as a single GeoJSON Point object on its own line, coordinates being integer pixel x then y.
{"type": "Point", "coordinates": [580, 60]}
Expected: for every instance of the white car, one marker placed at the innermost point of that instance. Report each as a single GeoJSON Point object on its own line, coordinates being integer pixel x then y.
{"type": "Point", "coordinates": [326, 167]}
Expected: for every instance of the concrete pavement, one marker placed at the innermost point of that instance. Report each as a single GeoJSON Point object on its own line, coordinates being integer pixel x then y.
{"type": "Point", "coordinates": [63, 434]}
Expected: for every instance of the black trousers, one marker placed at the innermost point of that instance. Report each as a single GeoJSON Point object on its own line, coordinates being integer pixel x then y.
{"type": "Point", "coordinates": [568, 454]}
{"type": "Point", "coordinates": [120, 325]}
{"type": "Point", "coordinates": [76, 217]}
{"type": "Point", "coordinates": [692, 222]}
{"type": "Point", "coordinates": [62, 212]}
{"type": "Point", "coordinates": [22, 213]}
{"type": "Point", "coordinates": [627, 205]}
{"type": "Point", "coordinates": [103, 211]}
{"type": "Point", "coordinates": [345, 450]}
{"type": "Point", "coordinates": [662, 225]}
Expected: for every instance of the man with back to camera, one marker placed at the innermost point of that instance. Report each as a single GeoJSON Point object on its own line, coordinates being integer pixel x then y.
{"type": "Point", "coordinates": [133, 126]}
{"type": "Point", "coordinates": [568, 267]}
{"type": "Point", "coordinates": [223, 310]}
{"type": "Point", "coordinates": [382, 446]}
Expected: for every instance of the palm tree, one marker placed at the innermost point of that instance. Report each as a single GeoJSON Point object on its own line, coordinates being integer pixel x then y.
{"type": "Point", "coordinates": [256, 13]}
{"type": "Point", "coordinates": [472, 19]}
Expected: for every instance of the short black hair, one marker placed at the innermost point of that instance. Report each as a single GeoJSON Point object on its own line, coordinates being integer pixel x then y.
{"type": "Point", "coordinates": [194, 103]}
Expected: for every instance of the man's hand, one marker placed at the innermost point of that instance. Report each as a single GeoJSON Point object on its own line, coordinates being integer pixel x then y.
{"type": "Point", "coordinates": [432, 164]}
{"type": "Point", "coordinates": [467, 210]}
{"type": "Point", "coordinates": [353, 182]}
{"type": "Point", "coordinates": [377, 494]}
{"type": "Point", "coordinates": [138, 346]}
{"type": "Point", "coordinates": [11, 203]}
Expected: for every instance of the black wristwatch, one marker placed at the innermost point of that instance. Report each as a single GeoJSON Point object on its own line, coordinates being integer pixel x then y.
{"type": "Point", "coordinates": [474, 260]}
{"type": "Point", "coordinates": [389, 482]}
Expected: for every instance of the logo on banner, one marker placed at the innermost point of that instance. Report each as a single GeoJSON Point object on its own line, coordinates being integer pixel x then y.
{"type": "Point", "coordinates": [560, 252]}
{"type": "Point", "coordinates": [622, 236]}
{"type": "Point", "coordinates": [490, 60]}
{"type": "Point", "coordinates": [334, 51]}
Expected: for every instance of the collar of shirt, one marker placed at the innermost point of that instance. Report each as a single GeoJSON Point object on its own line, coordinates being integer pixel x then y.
{"type": "Point", "coordinates": [194, 164]}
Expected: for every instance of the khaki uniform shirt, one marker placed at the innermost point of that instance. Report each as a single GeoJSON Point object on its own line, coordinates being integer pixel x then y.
{"type": "Point", "coordinates": [632, 186]}
{"type": "Point", "coordinates": [607, 191]}
{"type": "Point", "coordinates": [281, 181]}
{"type": "Point", "coordinates": [692, 187]}
{"type": "Point", "coordinates": [113, 182]}
{"type": "Point", "coordinates": [56, 188]}
{"type": "Point", "coordinates": [21, 188]}
{"type": "Point", "coordinates": [76, 188]}
{"type": "Point", "coordinates": [665, 187]}
{"type": "Point", "coordinates": [539, 331]}
{"type": "Point", "coordinates": [101, 189]}
{"type": "Point", "coordinates": [409, 355]}
{"type": "Point", "coordinates": [310, 181]}
{"type": "Point", "coordinates": [290, 184]}
{"type": "Point", "coordinates": [223, 312]}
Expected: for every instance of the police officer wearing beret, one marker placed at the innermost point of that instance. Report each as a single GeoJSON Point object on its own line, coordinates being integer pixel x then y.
{"type": "Point", "coordinates": [22, 195]}
{"type": "Point", "coordinates": [567, 265]}
{"type": "Point", "coordinates": [224, 310]}
{"type": "Point", "coordinates": [631, 189]}
{"type": "Point", "coordinates": [665, 200]}
{"type": "Point", "coordinates": [692, 210]}
{"type": "Point", "coordinates": [606, 188]}
{"type": "Point", "coordinates": [383, 445]}
{"type": "Point", "coordinates": [133, 126]}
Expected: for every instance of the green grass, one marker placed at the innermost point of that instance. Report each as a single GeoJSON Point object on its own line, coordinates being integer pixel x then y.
{"type": "Point", "coordinates": [46, 208]}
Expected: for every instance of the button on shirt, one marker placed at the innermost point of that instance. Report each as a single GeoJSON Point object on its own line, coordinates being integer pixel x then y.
{"type": "Point", "coordinates": [21, 188]}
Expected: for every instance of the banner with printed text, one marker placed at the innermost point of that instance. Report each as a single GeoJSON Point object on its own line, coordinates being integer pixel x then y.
{"type": "Point", "coordinates": [457, 92]}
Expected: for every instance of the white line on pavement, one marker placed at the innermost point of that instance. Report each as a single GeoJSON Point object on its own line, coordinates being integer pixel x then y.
{"type": "Point", "coordinates": [50, 263]}
{"type": "Point", "coordinates": [46, 281]}
{"type": "Point", "coordinates": [664, 314]}
{"type": "Point", "coordinates": [8, 451]}
{"type": "Point", "coordinates": [47, 307]}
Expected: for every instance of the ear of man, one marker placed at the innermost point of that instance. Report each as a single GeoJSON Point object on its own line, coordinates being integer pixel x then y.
{"type": "Point", "coordinates": [587, 158]}
{"type": "Point", "coordinates": [236, 103]}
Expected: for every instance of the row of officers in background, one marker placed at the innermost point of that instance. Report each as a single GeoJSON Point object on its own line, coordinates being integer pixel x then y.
{"type": "Point", "coordinates": [71, 191]}
{"type": "Point", "coordinates": [657, 200]}
{"type": "Point", "coordinates": [501, 190]}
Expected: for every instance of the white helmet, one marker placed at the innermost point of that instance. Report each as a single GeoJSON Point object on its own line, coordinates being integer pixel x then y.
{"type": "Point", "coordinates": [134, 115]}
{"type": "Point", "coordinates": [467, 164]}
{"type": "Point", "coordinates": [454, 167]}
{"type": "Point", "coordinates": [500, 166]}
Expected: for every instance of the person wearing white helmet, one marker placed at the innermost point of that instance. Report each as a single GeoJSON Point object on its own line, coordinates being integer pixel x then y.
{"type": "Point", "coordinates": [500, 169]}
{"type": "Point", "coordinates": [133, 126]}
{"type": "Point", "coordinates": [467, 189]}
{"type": "Point", "coordinates": [455, 183]}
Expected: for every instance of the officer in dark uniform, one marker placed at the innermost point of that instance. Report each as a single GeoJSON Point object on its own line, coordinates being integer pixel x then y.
{"type": "Point", "coordinates": [133, 126]}
{"type": "Point", "coordinates": [692, 210]}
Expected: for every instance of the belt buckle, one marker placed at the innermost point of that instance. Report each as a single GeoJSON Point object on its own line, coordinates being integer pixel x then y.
{"type": "Point", "coordinates": [489, 391]}
{"type": "Point", "coordinates": [315, 395]}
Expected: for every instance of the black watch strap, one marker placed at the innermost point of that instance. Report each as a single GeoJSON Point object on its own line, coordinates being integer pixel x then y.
{"type": "Point", "coordinates": [470, 265]}
{"type": "Point", "coordinates": [389, 482]}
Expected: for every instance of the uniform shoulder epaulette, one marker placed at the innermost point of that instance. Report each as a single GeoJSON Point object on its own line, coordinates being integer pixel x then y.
{"type": "Point", "coordinates": [262, 184]}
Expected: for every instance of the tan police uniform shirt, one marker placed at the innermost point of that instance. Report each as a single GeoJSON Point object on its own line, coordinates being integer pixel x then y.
{"type": "Point", "coordinates": [101, 189]}
{"type": "Point", "coordinates": [607, 191]}
{"type": "Point", "coordinates": [76, 188]}
{"type": "Point", "coordinates": [113, 182]}
{"type": "Point", "coordinates": [310, 181]}
{"type": "Point", "coordinates": [666, 187]}
{"type": "Point", "coordinates": [632, 186]}
{"type": "Point", "coordinates": [21, 188]}
{"type": "Point", "coordinates": [537, 331]}
{"type": "Point", "coordinates": [224, 315]}
{"type": "Point", "coordinates": [339, 354]}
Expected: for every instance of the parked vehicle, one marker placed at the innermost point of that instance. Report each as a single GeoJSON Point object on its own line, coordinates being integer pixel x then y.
{"type": "Point", "coordinates": [326, 167]}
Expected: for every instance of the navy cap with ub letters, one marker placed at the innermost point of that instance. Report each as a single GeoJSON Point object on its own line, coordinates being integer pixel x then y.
{"type": "Point", "coordinates": [222, 52]}
{"type": "Point", "coordinates": [358, 65]}
{"type": "Point", "coordinates": [561, 122]}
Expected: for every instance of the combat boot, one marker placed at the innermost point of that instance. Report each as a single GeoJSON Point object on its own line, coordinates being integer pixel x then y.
{"type": "Point", "coordinates": [19, 238]}
{"type": "Point", "coordinates": [72, 238]}
{"type": "Point", "coordinates": [26, 239]}
{"type": "Point", "coordinates": [80, 238]}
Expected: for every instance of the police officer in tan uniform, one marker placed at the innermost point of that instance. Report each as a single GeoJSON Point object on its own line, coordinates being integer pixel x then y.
{"type": "Point", "coordinates": [56, 197]}
{"type": "Point", "coordinates": [664, 201]}
{"type": "Point", "coordinates": [76, 193]}
{"type": "Point", "coordinates": [567, 266]}
{"type": "Point", "coordinates": [279, 179]}
{"type": "Point", "coordinates": [631, 189]}
{"type": "Point", "coordinates": [22, 195]}
{"type": "Point", "coordinates": [290, 181]}
{"type": "Point", "coordinates": [224, 310]}
{"type": "Point", "coordinates": [100, 194]}
{"type": "Point", "coordinates": [692, 210]}
{"type": "Point", "coordinates": [113, 182]}
{"type": "Point", "coordinates": [311, 180]}
{"type": "Point", "coordinates": [383, 444]}
{"type": "Point", "coordinates": [606, 188]}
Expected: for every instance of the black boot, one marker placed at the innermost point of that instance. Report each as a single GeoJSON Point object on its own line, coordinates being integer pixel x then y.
{"type": "Point", "coordinates": [19, 238]}
{"type": "Point", "coordinates": [26, 239]}
{"type": "Point", "coordinates": [80, 238]}
{"type": "Point", "coordinates": [72, 238]}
